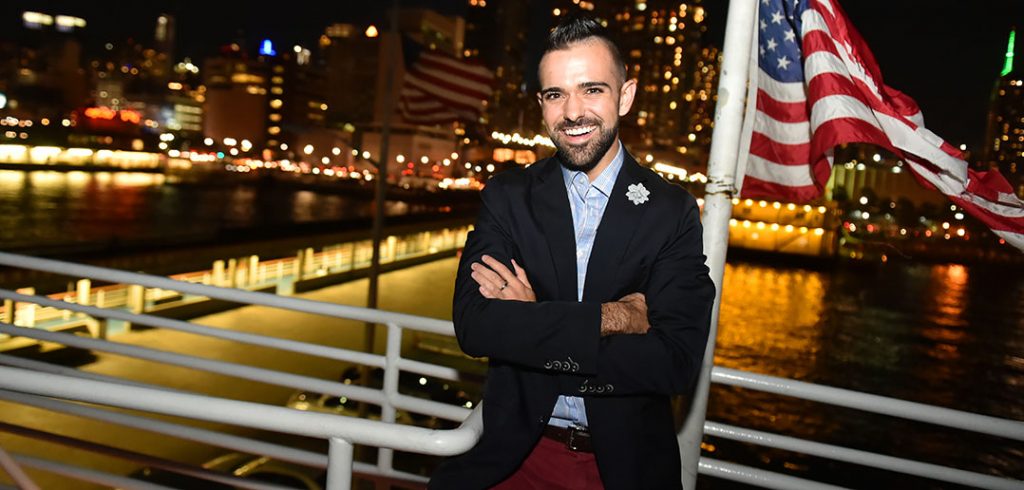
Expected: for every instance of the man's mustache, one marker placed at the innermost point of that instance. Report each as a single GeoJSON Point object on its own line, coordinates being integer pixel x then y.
{"type": "Point", "coordinates": [577, 123]}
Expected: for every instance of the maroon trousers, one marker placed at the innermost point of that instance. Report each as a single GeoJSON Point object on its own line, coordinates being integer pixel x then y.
{"type": "Point", "coordinates": [552, 466]}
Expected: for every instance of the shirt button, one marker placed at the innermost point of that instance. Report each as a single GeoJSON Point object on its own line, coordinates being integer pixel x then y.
{"type": "Point", "coordinates": [579, 253]}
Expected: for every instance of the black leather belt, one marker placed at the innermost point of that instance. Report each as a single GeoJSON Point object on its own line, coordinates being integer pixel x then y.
{"type": "Point", "coordinates": [575, 439]}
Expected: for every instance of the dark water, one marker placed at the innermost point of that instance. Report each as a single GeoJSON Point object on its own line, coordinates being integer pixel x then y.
{"type": "Point", "coordinates": [946, 335]}
{"type": "Point", "coordinates": [53, 208]}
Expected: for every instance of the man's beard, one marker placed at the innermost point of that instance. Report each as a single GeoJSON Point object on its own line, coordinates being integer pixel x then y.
{"type": "Point", "coordinates": [586, 156]}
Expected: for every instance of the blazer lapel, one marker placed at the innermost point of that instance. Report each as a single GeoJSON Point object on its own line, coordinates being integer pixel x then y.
{"type": "Point", "coordinates": [620, 220]}
{"type": "Point", "coordinates": [550, 203]}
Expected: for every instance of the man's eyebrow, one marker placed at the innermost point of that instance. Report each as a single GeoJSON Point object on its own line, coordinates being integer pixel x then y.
{"type": "Point", "coordinates": [595, 84]}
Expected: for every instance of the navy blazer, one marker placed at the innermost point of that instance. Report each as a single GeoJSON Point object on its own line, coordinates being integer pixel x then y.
{"type": "Point", "coordinates": [538, 351]}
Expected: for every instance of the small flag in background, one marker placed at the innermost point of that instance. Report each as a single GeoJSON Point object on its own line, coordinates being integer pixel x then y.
{"type": "Point", "coordinates": [439, 88]}
{"type": "Point", "coordinates": [818, 86]}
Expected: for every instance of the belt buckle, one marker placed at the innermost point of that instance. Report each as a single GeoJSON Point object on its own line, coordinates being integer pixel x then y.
{"type": "Point", "coordinates": [575, 433]}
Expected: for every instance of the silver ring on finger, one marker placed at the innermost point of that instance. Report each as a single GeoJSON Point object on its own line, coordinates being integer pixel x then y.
{"type": "Point", "coordinates": [503, 286]}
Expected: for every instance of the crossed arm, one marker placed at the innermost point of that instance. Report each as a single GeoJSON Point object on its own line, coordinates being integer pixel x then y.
{"type": "Point", "coordinates": [628, 315]}
{"type": "Point", "coordinates": [643, 343]}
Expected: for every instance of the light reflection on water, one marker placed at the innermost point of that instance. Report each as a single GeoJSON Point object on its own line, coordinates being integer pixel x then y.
{"type": "Point", "coordinates": [52, 209]}
{"type": "Point", "coordinates": [949, 335]}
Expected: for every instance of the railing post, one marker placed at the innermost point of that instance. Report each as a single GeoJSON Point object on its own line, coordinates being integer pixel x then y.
{"type": "Point", "coordinates": [392, 353]}
{"type": "Point", "coordinates": [83, 289]}
{"type": "Point", "coordinates": [218, 273]}
{"type": "Point", "coordinates": [8, 312]}
{"type": "Point", "coordinates": [725, 142]}
{"type": "Point", "coordinates": [308, 262]}
{"type": "Point", "coordinates": [339, 465]}
{"type": "Point", "coordinates": [392, 252]}
{"type": "Point", "coordinates": [299, 262]}
{"type": "Point", "coordinates": [232, 273]}
{"type": "Point", "coordinates": [254, 266]}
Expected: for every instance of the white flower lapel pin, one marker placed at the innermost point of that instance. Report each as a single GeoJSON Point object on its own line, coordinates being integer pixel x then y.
{"type": "Point", "coordinates": [637, 193]}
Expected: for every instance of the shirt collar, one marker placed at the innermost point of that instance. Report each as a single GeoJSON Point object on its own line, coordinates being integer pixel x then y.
{"type": "Point", "coordinates": [604, 182]}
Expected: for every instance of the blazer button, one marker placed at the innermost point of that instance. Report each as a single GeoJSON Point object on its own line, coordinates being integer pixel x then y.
{"type": "Point", "coordinates": [547, 365]}
{"type": "Point", "coordinates": [583, 388]}
{"type": "Point", "coordinates": [609, 388]}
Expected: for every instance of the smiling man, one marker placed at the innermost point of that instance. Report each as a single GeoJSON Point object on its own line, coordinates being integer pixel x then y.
{"type": "Point", "coordinates": [584, 285]}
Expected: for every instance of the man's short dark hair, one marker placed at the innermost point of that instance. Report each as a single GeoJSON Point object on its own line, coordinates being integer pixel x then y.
{"type": "Point", "coordinates": [575, 29]}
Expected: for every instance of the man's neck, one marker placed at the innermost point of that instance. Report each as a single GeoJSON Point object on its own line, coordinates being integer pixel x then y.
{"type": "Point", "coordinates": [606, 160]}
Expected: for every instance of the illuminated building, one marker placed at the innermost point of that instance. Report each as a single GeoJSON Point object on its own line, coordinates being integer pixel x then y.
{"type": "Point", "coordinates": [236, 99]}
{"type": "Point", "coordinates": [351, 54]}
{"type": "Point", "coordinates": [698, 106]}
{"type": "Point", "coordinates": [498, 33]}
{"type": "Point", "coordinates": [163, 36]}
{"type": "Point", "coordinates": [48, 79]}
{"type": "Point", "coordinates": [1004, 137]}
{"type": "Point", "coordinates": [296, 99]}
{"type": "Point", "coordinates": [356, 72]}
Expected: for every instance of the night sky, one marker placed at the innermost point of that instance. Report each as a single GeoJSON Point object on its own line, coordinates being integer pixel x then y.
{"type": "Point", "coordinates": [946, 54]}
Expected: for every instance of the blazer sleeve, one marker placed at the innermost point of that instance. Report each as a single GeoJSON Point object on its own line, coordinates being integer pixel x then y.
{"type": "Point", "coordinates": [679, 296]}
{"type": "Point", "coordinates": [558, 336]}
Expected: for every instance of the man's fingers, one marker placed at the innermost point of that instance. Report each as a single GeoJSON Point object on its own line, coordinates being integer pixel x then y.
{"type": "Point", "coordinates": [521, 274]}
{"type": "Point", "coordinates": [487, 293]}
{"type": "Point", "coordinates": [487, 280]}
{"type": "Point", "coordinates": [487, 275]}
{"type": "Point", "coordinates": [499, 268]}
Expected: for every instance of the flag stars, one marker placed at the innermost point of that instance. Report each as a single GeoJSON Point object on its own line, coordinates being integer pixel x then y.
{"type": "Point", "coordinates": [764, 25]}
{"type": "Point", "coordinates": [777, 17]}
{"type": "Point", "coordinates": [790, 36]}
{"type": "Point", "coordinates": [761, 49]}
{"type": "Point", "coordinates": [764, 2]}
{"type": "Point", "coordinates": [772, 44]}
{"type": "Point", "coordinates": [784, 63]}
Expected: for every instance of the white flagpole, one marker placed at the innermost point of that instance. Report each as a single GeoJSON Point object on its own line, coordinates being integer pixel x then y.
{"type": "Point", "coordinates": [725, 143]}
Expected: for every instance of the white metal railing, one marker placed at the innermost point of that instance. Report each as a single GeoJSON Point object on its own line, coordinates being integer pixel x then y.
{"type": "Point", "coordinates": [37, 384]}
{"type": "Point", "coordinates": [249, 273]}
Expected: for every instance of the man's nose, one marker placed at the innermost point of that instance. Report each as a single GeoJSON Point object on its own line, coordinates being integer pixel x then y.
{"type": "Point", "coordinates": [574, 108]}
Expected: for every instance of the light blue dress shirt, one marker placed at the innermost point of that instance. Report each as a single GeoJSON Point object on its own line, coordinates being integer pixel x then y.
{"type": "Point", "coordinates": [587, 201]}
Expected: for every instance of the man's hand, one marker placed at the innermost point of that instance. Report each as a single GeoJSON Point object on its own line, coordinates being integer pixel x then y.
{"type": "Point", "coordinates": [625, 316]}
{"type": "Point", "coordinates": [497, 282]}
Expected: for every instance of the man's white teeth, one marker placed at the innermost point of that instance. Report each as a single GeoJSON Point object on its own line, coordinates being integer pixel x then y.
{"type": "Point", "coordinates": [579, 131]}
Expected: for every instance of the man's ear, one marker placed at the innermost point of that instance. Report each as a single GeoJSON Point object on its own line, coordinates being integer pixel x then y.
{"type": "Point", "coordinates": [540, 100]}
{"type": "Point", "coordinates": [626, 95]}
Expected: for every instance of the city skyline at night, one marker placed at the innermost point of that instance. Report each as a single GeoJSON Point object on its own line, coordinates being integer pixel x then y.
{"type": "Point", "coordinates": [946, 55]}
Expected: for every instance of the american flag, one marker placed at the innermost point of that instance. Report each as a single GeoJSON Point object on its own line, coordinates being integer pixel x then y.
{"type": "Point", "coordinates": [439, 88]}
{"type": "Point", "coordinates": [818, 86]}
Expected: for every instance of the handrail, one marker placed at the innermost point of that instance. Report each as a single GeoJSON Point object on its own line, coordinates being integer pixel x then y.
{"type": "Point", "coordinates": [753, 476]}
{"type": "Point", "coordinates": [241, 371]}
{"type": "Point", "coordinates": [149, 461]}
{"type": "Point", "coordinates": [183, 326]}
{"type": "Point", "coordinates": [948, 417]}
{"type": "Point", "coordinates": [196, 434]}
{"type": "Point", "coordinates": [425, 324]}
{"type": "Point", "coordinates": [249, 414]}
{"type": "Point", "coordinates": [856, 456]}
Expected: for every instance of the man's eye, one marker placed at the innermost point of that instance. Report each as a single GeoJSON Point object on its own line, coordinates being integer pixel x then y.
{"type": "Point", "coordinates": [552, 96]}
{"type": "Point", "coordinates": [593, 90]}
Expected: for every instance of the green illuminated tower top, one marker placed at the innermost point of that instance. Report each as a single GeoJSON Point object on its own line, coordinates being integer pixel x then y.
{"type": "Point", "coordinates": [1008, 65]}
